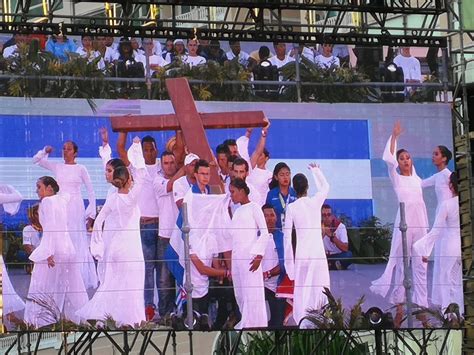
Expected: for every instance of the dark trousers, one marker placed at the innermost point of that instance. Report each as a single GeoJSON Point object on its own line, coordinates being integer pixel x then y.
{"type": "Point", "coordinates": [344, 258]}
{"type": "Point", "coordinates": [277, 309]}
{"type": "Point", "coordinates": [166, 282]}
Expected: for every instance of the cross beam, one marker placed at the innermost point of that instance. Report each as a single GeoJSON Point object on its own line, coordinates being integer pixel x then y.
{"type": "Point", "coordinates": [189, 121]}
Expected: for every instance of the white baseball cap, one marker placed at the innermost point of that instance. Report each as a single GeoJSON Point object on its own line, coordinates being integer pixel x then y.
{"type": "Point", "coordinates": [190, 158]}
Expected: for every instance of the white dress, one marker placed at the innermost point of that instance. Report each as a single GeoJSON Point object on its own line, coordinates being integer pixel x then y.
{"type": "Point", "coordinates": [309, 267]}
{"type": "Point", "coordinates": [246, 244]}
{"type": "Point", "coordinates": [120, 295]}
{"type": "Point", "coordinates": [447, 233]}
{"type": "Point", "coordinates": [440, 181]}
{"type": "Point", "coordinates": [70, 178]}
{"type": "Point", "coordinates": [408, 190]}
{"type": "Point", "coordinates": [11, 301]}
{"type": "Point", "coordinates": [60, 287]}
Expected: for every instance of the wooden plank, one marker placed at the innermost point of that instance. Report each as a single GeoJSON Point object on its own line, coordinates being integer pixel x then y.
{"type": "Point", "coordinates": [169, 122]}
{"type": "Point", "coordinates": [190, 123]}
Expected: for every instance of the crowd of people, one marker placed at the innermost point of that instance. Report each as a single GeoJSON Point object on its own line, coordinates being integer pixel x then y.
{"type": "Point", "coordinates": [262, 241]}
{"type": "Point", "coordinates": [134, 57]}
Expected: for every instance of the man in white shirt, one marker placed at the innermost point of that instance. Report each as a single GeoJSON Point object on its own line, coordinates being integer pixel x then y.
{"type": "Point", "coordinates": [12, 51]}
{"type": "Point", "coordinates": [149, 213]}
{"type": "Point", "coordinates": [182, 185]}
{"type": "Point", "coordinates": [336, 242]}
{"type": "Point", "coordinates": [280, 58]}
{"type": "Point", "coordinates": [235, 51]}
{"type": "Point", "coordinates": [410, 66]}
{"type": "Point", "coordinates": [240, 169]}
{"type": "Point", "coordinates": [163, 187]}
{"type": "Point", "coordinates": [326, 60]}
{"type": "Point", "coordinates": [193, 58]}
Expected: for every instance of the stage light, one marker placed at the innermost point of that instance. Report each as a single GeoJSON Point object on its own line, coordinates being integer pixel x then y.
{"type": "Point", "coordinates": [375, 316]}
{"type": "Point", "coordinates": [268, 72]}
{"type": "Point", "coordinates": [392, 73]}
{"type": "Point", "coordinates": [377, 319]}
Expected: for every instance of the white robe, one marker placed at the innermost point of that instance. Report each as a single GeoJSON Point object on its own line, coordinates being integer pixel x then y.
{"type": "Point", "coordinates": [440, 181]}
{"type": "Point", "coordinates": [246, 244]}
{"type": "Point", "coordinates": [309, 267]}
{"type": "Point", "coordinates": [11, 301]}
{"type": "Point", "coordinates": [70, 178]}
{"type": "Point", "coordinates": [120, 295]}
{"type": "Point", "coordinates": [61, 286]}
{"type": "Point", "coordinates": [408, 190]}
{"type": "Point", "coordinates": [446, 233]}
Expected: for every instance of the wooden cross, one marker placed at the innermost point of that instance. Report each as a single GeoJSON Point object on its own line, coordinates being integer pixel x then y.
{"type": "Point", "coordinates": [189, 121]}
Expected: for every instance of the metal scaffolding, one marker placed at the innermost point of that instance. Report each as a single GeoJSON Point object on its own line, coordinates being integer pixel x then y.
{"type": "Point", "coordinates": [265, 20]}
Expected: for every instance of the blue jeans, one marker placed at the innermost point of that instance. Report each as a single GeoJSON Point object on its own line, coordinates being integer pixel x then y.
{"type": "Point", "coordinates": [149, 236]}
{"type": "Point", "coordinates": [344, 258]}
{"type": "Point", "coordinates": [166, 281]}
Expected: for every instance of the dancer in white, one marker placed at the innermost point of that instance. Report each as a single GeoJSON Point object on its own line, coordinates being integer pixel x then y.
{"type": "Point", "coordinates": [10, 199]}
{"type": "Point", "coordinates": [247, 252]}
{"type": "Point", "coordinates": [407, 186]}
{"type": "Point", "coordinates": [441, 157]}
{"type": "Point", "coordinates": [56, 286]}
{"type": "Point", "coordinates": [120, 296]}
{"type": "Point", "coordinates": [446, 234]}
{"type": "Point", "coordinates": [309, 266]}
{"type": "Point", "coordinates": [71, 176]}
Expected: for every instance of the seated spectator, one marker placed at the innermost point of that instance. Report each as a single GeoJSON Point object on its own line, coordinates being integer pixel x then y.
{"type": "Point", "coordinates": [216, 54]}
{"type": "Point", "coordinates": [280, 58]}
{"type": "Point", "coordinates": [410, 66]}
{"type": "Point", "coordinates": [262, 52]}
{"type": "Point", "coordinates": [108, 54]}
{"type": "Point", "coordinates": [303, 51]}
{"type": "Point", "coordinates": [87, 50]}
{"type": "Point", "coordinates": [203, 49]}
{"type": "Point", "coordinates": [336, 242]}
{"type": "Point", "coordinates": [326, 60]}
{"type": "Point", "coordinates": [179, 51]}
{"type": "Point", "coordinates": [127, 66]}
{"type": "Point", "coordinates": [157, 45]}
{"type": "Point", "coordinates": [236, 52]}
{"type": "Point", "coordinates": [155, 61]}
{"type": "Point", "coordinates": [110, 42]}
{"type": "Point", "coordinates": [341, 51]}
{"type": "Point", "coordinates": [193, 59]}
{"type": "Point", "coordinates": [169, 47]}
{"type": "Point", "coordinates": [137, 46]}
{"type": "Point", "coordinates": [60, 46]}
{"type": "Point", "coordinates": [12, 50]}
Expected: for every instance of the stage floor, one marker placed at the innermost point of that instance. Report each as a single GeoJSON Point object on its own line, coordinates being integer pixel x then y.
{"type": "Point", "coordinates": [348, 284]}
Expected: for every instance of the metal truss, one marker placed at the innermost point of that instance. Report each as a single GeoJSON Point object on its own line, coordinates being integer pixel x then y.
{"type": "Point", "coordinates": [381, 6]}
{"type": "Point", "coordinates": [378, 341]}
{"type": "Point", "coordinates": [256, 21]}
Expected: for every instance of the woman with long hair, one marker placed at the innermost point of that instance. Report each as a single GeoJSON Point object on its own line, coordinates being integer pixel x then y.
{"type": "Point", "coordinates": [407, 186]}
{"type": "Point", "coordinates": [248, 249]}
{"type": "Point", "coordinates": [120, 295]}
{"type": "Point", "coordinates": [446, 235]}
{"type": "Point", "coordinates": [56, 287]}
{"type": "Point", "coordinates": [281, 193]}
{"type": "Point", "coordinates": [441, 183]}
{"type": "Point", "coordinates": [307, 266]}
{"type": "Point", "coordinates": [71, 176]}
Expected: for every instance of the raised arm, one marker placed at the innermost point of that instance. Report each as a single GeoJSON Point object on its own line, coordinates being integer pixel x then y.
{"type": "Point", "coordinates": [243, 146]}
{"type": "Point", "coordinates": [321, 183]}
{"type": "Point", "coordinates": [122, 151]}
{"type": "Point", "coordinates": [389, 154]}
{"type": "Point", "coordinates": [41, 159]}
{"type": "Point", "coordinates": [137, 168]}
{"type": "Point", "coordinates": [261, 144]}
